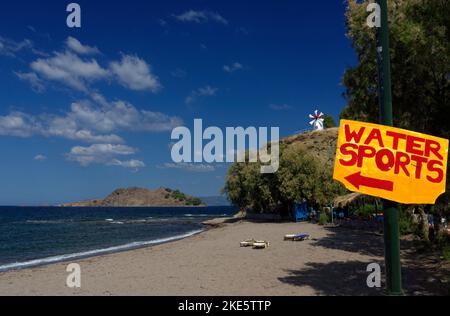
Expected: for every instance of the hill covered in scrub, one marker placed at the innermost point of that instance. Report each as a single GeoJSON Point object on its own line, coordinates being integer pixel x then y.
{"type": "Point", "coordinates": [318, 144]}
{"type": "Point", "coordinates": [140, 197]}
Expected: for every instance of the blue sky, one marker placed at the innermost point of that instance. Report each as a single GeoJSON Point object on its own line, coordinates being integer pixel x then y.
{"type": "Point", "coordinates": [85, 111]}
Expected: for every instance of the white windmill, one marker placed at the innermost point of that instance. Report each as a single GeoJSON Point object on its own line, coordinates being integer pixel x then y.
{"type": "Point", "coordinates": [317, 122]}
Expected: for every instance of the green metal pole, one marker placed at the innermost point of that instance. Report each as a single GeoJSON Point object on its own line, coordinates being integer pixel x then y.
{"type": "Point", "coordinates": [391, 215]}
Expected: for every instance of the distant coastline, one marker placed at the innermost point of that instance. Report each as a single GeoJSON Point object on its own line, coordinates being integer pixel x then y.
{"type": "Point", "coordinates": [141, 197]}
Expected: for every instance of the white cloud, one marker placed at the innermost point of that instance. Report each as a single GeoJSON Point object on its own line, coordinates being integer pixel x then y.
{"type": "Point", "coordinates": [98, 153]}
{"type": "Point", "coordinates": [75, 70]}
{"type": "Point", "coordinates": [10, 47]}
{"type": "Point", "coordinates": [40, 157]}
{"type": "Point", "coordinates": [135, 74]}
{"type": "Point", "coordinates": [162, 23]}
{"type": "Point", "coordinates": [69, 69]}
{"type": "Point", "coordinates": [131, 164]}
{"type": "Point", "coordinates": [36, 83]}
{"type": "Point", "coordinates": [102, 149]}
{"type": "Point", "coordinates": [191, 167]}
{"type": "Point", "coordinates": [190, 99]}
{"type": "Point", "coordinates": [179, 73]}
{"type": "Point", "coordinates": [69, 128]}
{"type": "Point", "coordinates": [206, 91]}
{"type": "Point", "coordinates": [201, 17]}
{"type": "Point", "coordinates": [76, 46]}
{"type": "Point", "coordinates": [243, 31]}
{"type": "Point", "coordinates": [280, 107]}
{"type": "Point", "coordinates": [233, 67]}
{"type": "Point", "coordinates": [104, 154]}
{"type": "Point", "coordinates": [88, 122]}
{"type": "Point", "coordinates": [120, 115]}
{"type": "Point", "coordinates": [18, 124]}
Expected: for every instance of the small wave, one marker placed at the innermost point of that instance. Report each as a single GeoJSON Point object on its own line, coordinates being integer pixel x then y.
{"type": "Point", "coordinates": [109, 220]}
{"type": "Point", "coordinates": [36, 222]}
{"type": "Point", "coordinates": [41, 222]}
{"type": "Point", "coordinates": [96, 252]}
{"type": "Point", "coordinates": [138, 221]}
{"type": "Point", "coordinates": [198, 215]}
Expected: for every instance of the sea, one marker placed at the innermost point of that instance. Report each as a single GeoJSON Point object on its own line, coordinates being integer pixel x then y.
{"type": "Point", "coordinates": [34, 236]}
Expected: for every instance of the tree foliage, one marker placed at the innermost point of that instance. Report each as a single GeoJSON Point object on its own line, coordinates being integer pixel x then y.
{"type": "Point", "coordinates": [300, 177]}
{"type": "Point", "coordinates": [180, 196]}
{"type": "Point", "coordinates": [420, 61]}
{"type": "Point", "coordinates": [329, 122]}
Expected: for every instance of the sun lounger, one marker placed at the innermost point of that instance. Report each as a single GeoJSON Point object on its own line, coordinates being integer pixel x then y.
{"type": "Point", "coordinates": [301, 237]}
{"type": "Point", "coordinates": [256, 244]}
{"type": "Point", "coordinates": [289, 237]}
{"type": "Point", "coordinates": [248, 243]}
{"type": "Point", "coordinates": [261, 245]}
{"type": "Point", "coordinates": [297, 237]}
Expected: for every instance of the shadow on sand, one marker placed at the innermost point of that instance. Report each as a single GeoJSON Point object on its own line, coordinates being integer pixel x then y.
{"type": "Point", "coordinates": [420, 273]}
{"type": "Point", "coordinates": [351, 240]}
{"type": "Point", "coordinates": [334, 278]}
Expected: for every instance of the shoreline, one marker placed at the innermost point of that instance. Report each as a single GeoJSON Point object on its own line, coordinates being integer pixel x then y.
{"type": "Point", "coordinates": [159, 206]}
{"type": "Point", "coordinates": [46, 261]}
{"type": "Point", "coordinates": [212, 263]}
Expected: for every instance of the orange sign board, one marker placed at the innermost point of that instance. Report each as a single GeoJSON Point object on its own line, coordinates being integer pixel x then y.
{"type": "Point", "coordinates": [391, 163]}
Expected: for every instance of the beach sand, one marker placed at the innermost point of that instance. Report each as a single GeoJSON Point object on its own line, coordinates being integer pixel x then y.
{"type": "Point", "coordinates": [212, 263]}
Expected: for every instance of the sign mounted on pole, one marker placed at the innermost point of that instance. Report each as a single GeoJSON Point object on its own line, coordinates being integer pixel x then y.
{"type": "Point", "coordinates": [391, 163]}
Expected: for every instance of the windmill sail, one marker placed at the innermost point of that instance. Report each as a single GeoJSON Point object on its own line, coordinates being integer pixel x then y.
{"type": "Point", "coordinates": [317, 120]}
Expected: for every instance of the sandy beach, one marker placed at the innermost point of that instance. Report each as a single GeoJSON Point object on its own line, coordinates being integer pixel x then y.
{"type": "Point", "coordinates": [334, 262]}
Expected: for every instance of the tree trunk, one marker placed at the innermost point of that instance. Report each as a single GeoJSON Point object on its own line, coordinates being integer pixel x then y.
{"type": "Point", "coordinates": [437, 224]}
{"type": "Point", "coordinates": [423, 224]}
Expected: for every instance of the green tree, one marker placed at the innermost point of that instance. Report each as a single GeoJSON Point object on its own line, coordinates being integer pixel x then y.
{"type": "Point", "coordinates": [303, 177]}
{"type": "Point", "coordinates": [236, 187]}
{"type": "Point", "coordinates": [420, 53]}
{"type": "Point", "coordinates": [194, 201]}
{"type": "Point", "coordinates": [329, 122]}
{"type": "Point", "coordinates": [420, 62]}
{"type": "Point", "coordinates": [300, 177]}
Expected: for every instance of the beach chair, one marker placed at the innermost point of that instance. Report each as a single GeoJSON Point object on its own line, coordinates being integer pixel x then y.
{"type": "Point", "coordinates": [301, 237]}
{"type": "Point", "coordinates": [294, 237]}
{"type": "Point", "coordinates": [247, 243]}
{"type": "Point", "coordinates": [261, 244]}
{"type": "Point", "coordinates": [289, 237]}
{"type": "Point", "coordinates": [256, 244]}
